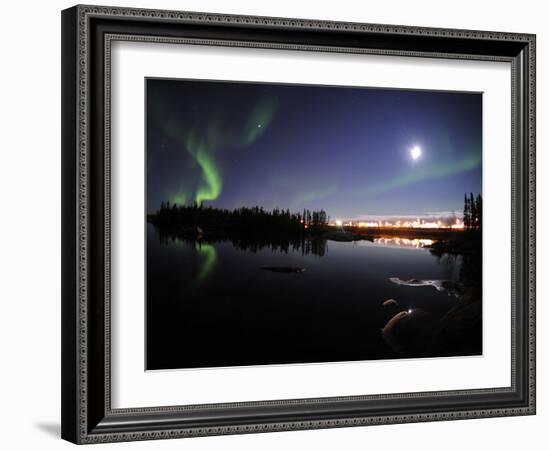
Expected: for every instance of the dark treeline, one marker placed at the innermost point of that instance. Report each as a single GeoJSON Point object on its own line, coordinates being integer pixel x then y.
{"type": "Point", "coordinates": [255, 219]}
{"type": "Point", "coordinates": [470, 270]}
{"type": "Point", "coordinates": [467, 245]}
{"type": "Point", "coordinates": [254, 243]}
{"type": "Point", "coordinates": [472, 212]}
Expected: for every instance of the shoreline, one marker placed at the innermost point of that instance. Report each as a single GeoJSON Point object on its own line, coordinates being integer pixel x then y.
{"type": "Point", "coordinates": [445, 240]}
{"type": "Point", "coordinates": [435, 234]}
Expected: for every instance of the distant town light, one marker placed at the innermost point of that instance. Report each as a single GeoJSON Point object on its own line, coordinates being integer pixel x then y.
{"type": "Point", "coordinates": [414, 223]}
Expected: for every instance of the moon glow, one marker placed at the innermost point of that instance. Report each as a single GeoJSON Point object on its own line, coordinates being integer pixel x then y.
{"type": "Point", "coordinates": [416, 152]}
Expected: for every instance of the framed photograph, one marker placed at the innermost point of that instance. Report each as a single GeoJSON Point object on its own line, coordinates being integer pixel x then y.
{"type": "Point", "coordinates": [281, 224]}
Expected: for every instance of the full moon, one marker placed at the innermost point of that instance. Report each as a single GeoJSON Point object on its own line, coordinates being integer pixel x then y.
{"type": "Point", "coordinates": [416, 152]}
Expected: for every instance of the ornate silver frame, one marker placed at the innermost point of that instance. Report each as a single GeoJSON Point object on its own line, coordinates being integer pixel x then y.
{"type": "Point", "coordinates": [88, 32]}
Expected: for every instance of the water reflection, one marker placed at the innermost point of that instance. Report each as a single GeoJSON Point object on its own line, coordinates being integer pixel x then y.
{"type": "Point", "coordinates": [208, 253]}
{"type": "Point", "coordinates": [211, 290]}
{"type": "Point", "coordinates": [249, 242]}
{"type": "Point", "coordinates": [403, 242]}
{"type": "Point", "coordinates": [449, 262]}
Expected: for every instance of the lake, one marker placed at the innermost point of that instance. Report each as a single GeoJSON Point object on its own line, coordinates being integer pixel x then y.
{"type": "Point", "coordinates": [213, 304]}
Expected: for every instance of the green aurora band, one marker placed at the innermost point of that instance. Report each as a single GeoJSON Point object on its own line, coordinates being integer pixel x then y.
{"type": "Point", "coordinates": [305, 198]}
{"type": "Point", "coordinates": [179, 198]}
{"type": "Point", "coordinates": [215, 130]}
{"type": "Point", "coordinates": [469, 162]}
{"type": "Point", "coordinates": [212, 186]}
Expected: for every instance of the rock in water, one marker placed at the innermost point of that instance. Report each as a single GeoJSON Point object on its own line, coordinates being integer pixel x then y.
{"type": "Point", "coordinates": [390, 302]}
{"type": "Point", "coordinates": [284, 269]}
{"type": "Point", "coordinates": [410, 333]}
{"type": "Point", "coordinates": [452, 287]}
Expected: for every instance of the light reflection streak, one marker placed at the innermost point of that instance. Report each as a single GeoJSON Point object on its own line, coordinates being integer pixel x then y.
{"type": "Point", "coordinates": [403, 242]}
{"type": "Point", "coordinates": [456, 225]}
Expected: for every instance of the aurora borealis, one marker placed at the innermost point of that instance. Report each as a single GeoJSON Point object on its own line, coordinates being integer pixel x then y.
{"type": "Point", "coordinates": [346, 150]}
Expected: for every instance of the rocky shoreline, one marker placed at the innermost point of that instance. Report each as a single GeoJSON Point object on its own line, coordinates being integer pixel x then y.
{"type": "Point", "coordinates": [415, 332]}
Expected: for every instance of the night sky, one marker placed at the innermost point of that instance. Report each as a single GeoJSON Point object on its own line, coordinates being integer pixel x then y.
{"type": "Point", "coordinates": [346, 150]}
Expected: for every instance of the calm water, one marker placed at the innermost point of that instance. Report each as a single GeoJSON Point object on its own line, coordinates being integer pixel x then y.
{"type": "Point", "coordinates": [212, 304]}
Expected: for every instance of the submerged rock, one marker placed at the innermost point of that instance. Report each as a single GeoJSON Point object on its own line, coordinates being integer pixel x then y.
{"type": "Point", "coordinates": [339, 236]}
{"type": "Point", "coordinates": [390, 302]}
{"type": "Point", "coordinates": [461, 327]}
{"type": "Point", "coordinates": [418, 333]}
{"type": "Point", "coordinates": [345, 236]}
{"type": "Point", "coordinates": [410, 333]}
{"type": "Point", "coordinates": [452, 287]}
{"type": "Point", "coordinates": [284, 269]}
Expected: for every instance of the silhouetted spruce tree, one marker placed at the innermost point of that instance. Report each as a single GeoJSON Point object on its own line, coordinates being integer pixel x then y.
{"type": "Point", "coordinates": [466, 211]}
{"type": "Point", "coordinates": [256, 220]}
{"type": "Point", "coordinates": [479, 210]}
{"type": "Point", "coordinates": [473, 212]}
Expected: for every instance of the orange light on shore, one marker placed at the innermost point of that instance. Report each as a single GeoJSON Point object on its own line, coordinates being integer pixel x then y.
{"type": "Point", "coordinates": [458, 225]}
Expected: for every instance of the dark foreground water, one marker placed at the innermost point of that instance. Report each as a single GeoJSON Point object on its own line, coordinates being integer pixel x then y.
{"type": "Point", "coordinates": [212, 304]}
